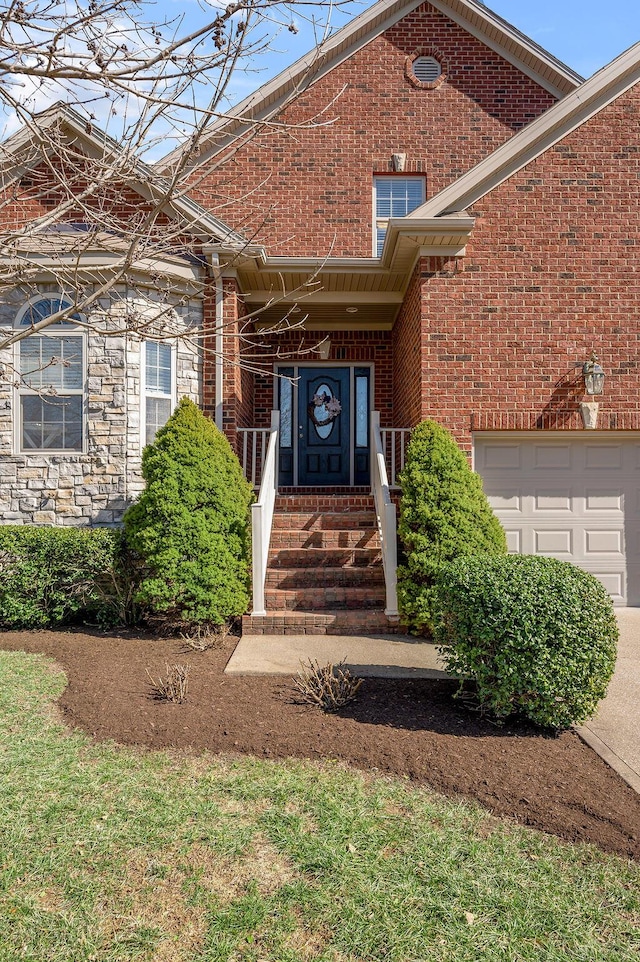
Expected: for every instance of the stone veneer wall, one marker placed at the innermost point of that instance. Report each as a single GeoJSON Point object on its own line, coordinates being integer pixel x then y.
{"type": "Point", "coordinates": [95, 487]}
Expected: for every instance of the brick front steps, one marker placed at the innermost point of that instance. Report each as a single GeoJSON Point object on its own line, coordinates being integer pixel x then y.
{"type": "Point", "coordinates": [325, 572]}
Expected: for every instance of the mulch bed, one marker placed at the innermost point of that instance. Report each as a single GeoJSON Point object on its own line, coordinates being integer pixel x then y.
{"type": "Point", "coordinates": [411, 729]}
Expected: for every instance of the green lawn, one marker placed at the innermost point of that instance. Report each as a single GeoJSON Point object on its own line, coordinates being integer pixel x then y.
{"type": "Point", "coordinates": [107, 854]}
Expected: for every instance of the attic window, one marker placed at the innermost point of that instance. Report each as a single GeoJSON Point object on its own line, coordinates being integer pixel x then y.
{"type": "Point", "coordinates": [426, 69]}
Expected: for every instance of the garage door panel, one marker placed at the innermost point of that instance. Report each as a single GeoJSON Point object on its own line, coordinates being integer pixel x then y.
{"type": "Point", "coordinates": [503, 457]}
{"type": "Point", "coordinates": [509, 501]}
{"type": "Point", "coordinates": [515, 541]}
{"type": "Point", "coordinates": [603, 500]}
{"type": "Point", "coordinates": [551, 457]}
{"type": "Point", "coordinates": [603, 457]}
{"type": "Point", "coordinates": [573, 498]}
{"type": "Point", "coordinates": [546, 499]}
{"type": "Point", "coordinates": [604, 542]}
{"type": "Point", "coordinates": [558, 543]}
{"type": "Point", "coordinates": [614, 582]}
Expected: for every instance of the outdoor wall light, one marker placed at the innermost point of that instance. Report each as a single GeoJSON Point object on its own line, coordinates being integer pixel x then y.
{"type": "Point", "coordinates": [324, 349]}
{"type": "Point", "coordinates": [593, 376]}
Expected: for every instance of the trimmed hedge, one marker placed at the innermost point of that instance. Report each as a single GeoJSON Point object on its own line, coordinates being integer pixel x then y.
{"type": "Point", "coordinates": [444, 514]}
{"type": "Point", "coordinates": [189, 532]}
{"type": "Point", "coordinates": [537, 636]}
{"type": "Point", "coordinates": [56, 576]}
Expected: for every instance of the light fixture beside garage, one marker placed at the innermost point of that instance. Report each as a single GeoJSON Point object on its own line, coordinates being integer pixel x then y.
{"type": "Point", "coordinates": [593, 376]}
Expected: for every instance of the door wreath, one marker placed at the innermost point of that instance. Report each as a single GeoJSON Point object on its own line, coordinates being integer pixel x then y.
{"type": "Point", "coordinates": [323, 409]}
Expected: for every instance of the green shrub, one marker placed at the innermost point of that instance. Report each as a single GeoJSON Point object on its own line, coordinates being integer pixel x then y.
{"type": "Point", "coordinates": [536, 635]}
{"type": "Point", "coordinates": [444, 514]}
{"type": "Point", "coordinates": [55, 576]}
{"type": "Point", "coordinates": [190, 528]}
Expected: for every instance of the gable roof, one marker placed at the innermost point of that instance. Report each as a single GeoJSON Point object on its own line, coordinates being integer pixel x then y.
{"type": "Point", "coordinates": [473, 16]}
{"type": "Point", "coordinates": [537, 137]}
{"type": "Point", "coordinates": [23, 151]}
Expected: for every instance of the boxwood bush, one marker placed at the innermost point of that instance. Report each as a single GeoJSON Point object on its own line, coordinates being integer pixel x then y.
{"type": "Point", "coordinates": [189, 532]}
{"type": "Point", "coordinates": [444, 514]}
{"type": "Point", "coordinates": [537, 636]}
{"type": "Point", "coordinates": [55, 576]}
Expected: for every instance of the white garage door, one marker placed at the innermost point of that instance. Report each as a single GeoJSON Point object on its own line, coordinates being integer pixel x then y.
{"type": "Point", "coordinates": [574, 498]}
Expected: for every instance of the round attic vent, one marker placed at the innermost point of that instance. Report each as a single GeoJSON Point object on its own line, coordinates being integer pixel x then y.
{"type": "Point", "coordinates": [426, 69]}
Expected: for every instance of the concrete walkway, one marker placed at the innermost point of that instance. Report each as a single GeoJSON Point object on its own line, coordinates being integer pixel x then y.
{"type": "Point", "coordinates": [614, 733]}
{"type": "Point", "coordinates": [382, 656]}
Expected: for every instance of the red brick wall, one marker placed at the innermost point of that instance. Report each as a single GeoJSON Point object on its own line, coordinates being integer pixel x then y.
{"type": "Point", "coordinates": [351, 347]}
{"type": "Point", "coordinates": [237, 381]}
{"type": "Point", "coordinates": [308, 190]}
{"type": "Point", "coordinates": [550, 274]}
{"type": "Point", "coordinates": [114, 206]}
{"type": "Point", "coordinates": [407, 356]}
{"type": "Point", "coordinates": [208, 353]}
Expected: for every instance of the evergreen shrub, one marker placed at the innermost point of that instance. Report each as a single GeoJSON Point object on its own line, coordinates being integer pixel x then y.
{"type": "Point", "coordinates": [444, 514]}
{"type": "Point", "coordinates": [537, 636]}
{"type": "Point", "coordinates": [55, 576]}
{"type": "Point", "coordinates": [189, 532]}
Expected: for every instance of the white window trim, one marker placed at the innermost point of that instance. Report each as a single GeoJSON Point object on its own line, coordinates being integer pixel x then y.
{"type": "Point", "coordinates": [67, 329]}
{"type": "Point", "coordinates": [380, 223]}
{"type": "Point", "coordinates": [144, 393]}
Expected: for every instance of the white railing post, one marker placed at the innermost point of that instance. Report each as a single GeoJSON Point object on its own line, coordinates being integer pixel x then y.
{"type": "Point", "coordinates": [262, 515]}
{"type": "Point", "coordinates": [394, 443]}
{"type": "Point", "coordinates": [386, 516]}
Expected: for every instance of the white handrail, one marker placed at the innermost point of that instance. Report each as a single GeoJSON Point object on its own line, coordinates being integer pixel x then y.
{"type": "Point", "coordinates": [386, 515]}
{"type": "Point", "coordinates": [394, 446]}
{"type": "Point", "coordinates": [262, 517]}
{"type": "Point", "coordinates": [253, 447]}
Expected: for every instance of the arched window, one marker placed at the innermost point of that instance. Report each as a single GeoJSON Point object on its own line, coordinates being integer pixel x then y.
{"type": "Point", "coordinates": [44, 307]}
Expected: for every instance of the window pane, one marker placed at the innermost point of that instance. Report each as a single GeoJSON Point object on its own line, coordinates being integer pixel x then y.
{"type": "Point", "coordinates": [45, 307]}
{"type": "Point", "coordinates": [158, 413]}
{"type": "Point", "coordinates": [52, 362]}
{"type": "Point", "coordinates": [158, 367]}
{"type": "Point", "coordinates": [51, 424]}
{"type": "Point", "coordinates": [71, 354]}
{"type": "Point", "coordinates": [395, 197]}
{"type": "Point", "coordinates": [383, 198]}
{"type": "Point", "coordinates": [362, 412]}
{"type": "Point", "coordinates": [286, 412]}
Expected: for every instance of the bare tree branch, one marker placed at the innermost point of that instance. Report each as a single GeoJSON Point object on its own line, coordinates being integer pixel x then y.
{"type": "Point", "coordinates": [80, 211]}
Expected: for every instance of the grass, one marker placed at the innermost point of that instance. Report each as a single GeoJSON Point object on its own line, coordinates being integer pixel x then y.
{"type": "Point", "coordinates": [113, 855]}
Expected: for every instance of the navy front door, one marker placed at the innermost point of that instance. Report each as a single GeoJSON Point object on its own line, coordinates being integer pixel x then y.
{"type": "Point", "coordinates": [323, 426]}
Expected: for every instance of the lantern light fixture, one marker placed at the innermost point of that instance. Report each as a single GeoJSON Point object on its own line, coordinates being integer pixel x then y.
{"type": "Point", "coordinates": [593, 375]}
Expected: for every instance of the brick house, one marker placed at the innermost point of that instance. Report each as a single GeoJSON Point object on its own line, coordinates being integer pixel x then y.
{"type": "Point", "coordinates": [442, 224]}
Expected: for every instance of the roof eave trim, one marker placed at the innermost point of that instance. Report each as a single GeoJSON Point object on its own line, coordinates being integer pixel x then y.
{"type": "Point", "coordinates": [537, 137]}
{"type": "Point", "coordinates": [143, 177]}
{"type": "Point", "coordinates": [269, 98]}
{"type": "Point", "coordinates": [565, 80]}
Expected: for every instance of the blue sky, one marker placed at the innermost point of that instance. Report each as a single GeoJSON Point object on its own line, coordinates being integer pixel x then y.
{"type": "Point", "coordinates": [584, 34]}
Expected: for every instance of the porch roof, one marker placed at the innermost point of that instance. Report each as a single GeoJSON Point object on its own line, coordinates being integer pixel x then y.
{"type": "Point", "coordinates": [347, 293]}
